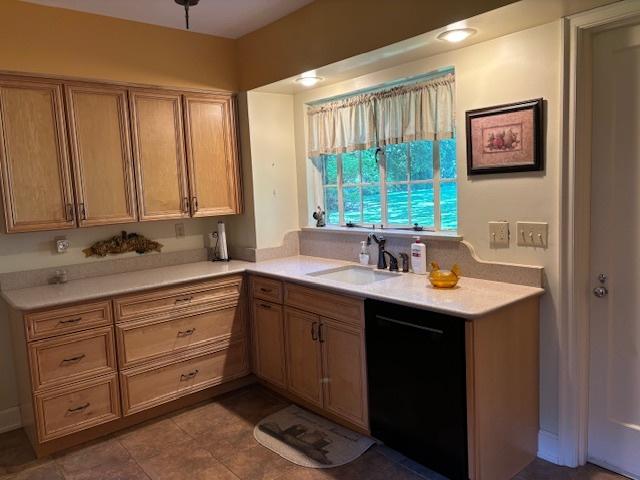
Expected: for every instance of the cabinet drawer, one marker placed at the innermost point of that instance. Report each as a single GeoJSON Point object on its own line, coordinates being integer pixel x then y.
{"type": "Point", "coordinates": [72, 357]}
{"type": "Point", "coordinates": [71, 409]}
{"type": "Point", "coordinates": [57, 321]}
{"type": "Point", "coordinates": [338, 307]}
{"type": "Point", "coordinates": [146, 340]}
{"type": "Point", "coordinates": [266, 289]}
{"type": "Point", "coordinates": [148, 386]}
{"type": "Point", "coordinates": [169, 301]}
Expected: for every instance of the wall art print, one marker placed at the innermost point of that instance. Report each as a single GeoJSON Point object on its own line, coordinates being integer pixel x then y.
{"type": "Point", "coordinates": [505, 138]}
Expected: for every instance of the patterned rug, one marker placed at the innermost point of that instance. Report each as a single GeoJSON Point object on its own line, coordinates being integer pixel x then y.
{"type": "Point", "coordinates": [309, 440]}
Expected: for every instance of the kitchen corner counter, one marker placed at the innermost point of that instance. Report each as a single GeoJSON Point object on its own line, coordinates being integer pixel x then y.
{"type": "Point", "coordinates": [470, 299]}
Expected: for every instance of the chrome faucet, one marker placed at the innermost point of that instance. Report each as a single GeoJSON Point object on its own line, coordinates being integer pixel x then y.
{"type": "Point", "coordinates": [382, 260]}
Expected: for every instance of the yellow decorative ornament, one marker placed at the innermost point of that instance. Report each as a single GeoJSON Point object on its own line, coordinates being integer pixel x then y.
{"type": "Point", "coordinates": [444, 278]}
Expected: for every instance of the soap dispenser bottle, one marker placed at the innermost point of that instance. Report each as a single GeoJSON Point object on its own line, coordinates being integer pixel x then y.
{"type": "Point", "coordinates": [364, 253]}
{"type": "Point", "coordinates": [419, 257]}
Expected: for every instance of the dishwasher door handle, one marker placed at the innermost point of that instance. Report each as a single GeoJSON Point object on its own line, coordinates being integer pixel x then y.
{"type": "Point", "coordinates": [411, 325]}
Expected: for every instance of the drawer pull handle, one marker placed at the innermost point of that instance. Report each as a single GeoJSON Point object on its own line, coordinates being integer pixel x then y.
{"type": "Point", "coordinates": [77, 358]}
{"type": "Point", "coordinates": [186, 333]}
{"type": "Point", "coordinates": [265, 305]}
{"type": "Point", "coordinates": [79, 408]}
{"type": "Point", "coordinates": [70, 320]}
{"type": "Point", "coordinates": [188, 376]}
{"type": "Point", "coordinates": [185, 299]}
{"type": "Point", "coordinates": [266, 290]}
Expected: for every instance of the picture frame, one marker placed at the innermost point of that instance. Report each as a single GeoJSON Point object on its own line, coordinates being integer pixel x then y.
{"type": "Point", "coordinates": [505, 138]}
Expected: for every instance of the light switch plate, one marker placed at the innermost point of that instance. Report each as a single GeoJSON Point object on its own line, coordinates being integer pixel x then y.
{"type": "Point", "coordinates": [499, 234]}
{"type": "Point", "coordinates": [179, 230]}
{"type": "Point", "coordinates": [533, 234]}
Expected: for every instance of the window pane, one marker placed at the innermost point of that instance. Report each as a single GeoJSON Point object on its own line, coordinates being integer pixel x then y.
{"type": "Point", "coordinates": [421, 160]}
{"type": "Point", "coordinates": [370, 170]}
{"type": "Point", "coordinates": [422, 208]}
{"type": "Point", "coordinates": [351, 200]}
{"type": "Point", "coordinates": [449, 206]}
{"type": "Point", "coordinates": [396, 156]}
{"type": "Point", "coordinates": [331, 205]}
{"type": "Point", "coordinates": [397, 204]}
{"type": "Point", "coordinates": [350, 167]}
{"type": "Point", "coordinates": [330, 173]}
{"type": "Point", "coordinates": [448, 158]}
{"type": "Point", "coordinates": [372, 211]}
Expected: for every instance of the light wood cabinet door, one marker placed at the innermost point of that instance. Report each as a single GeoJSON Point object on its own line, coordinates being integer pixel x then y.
{"type": "Point", "coordinates": [98, 119]}
{"type": "Point", "coordinates": [34, 163]}
{"type": "Point", "coordinates": [214, 173]}
{"type": "Point", "coordinates": [304, 362]}
{"type": "Point", "coordinates": [344, 368]}
{"type": "Point", "coordinates": [159, 157]}
{"type": "Point", "coordinates": [268, 342]}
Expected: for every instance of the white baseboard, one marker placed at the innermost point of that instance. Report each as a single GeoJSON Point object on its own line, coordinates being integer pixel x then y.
{"type": "Point", "coordinates": [10, 419]}
{"type": "Point", "coordinates": [548, 447]}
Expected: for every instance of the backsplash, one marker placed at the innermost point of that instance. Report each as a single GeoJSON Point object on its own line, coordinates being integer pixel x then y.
{"type": "Point", "coordinates": [345, 246]}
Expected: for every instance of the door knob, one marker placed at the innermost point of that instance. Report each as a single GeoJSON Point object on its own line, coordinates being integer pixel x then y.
{"type": "Point", "coordinates": [600, 292]}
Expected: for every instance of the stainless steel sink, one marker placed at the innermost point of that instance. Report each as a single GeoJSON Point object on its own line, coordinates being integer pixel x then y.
{"type": "Point", "coordinates": [354, 274]}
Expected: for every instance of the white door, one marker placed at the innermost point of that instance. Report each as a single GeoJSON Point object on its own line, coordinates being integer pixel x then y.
{"type": "Point", "coordinates": [614, 384]}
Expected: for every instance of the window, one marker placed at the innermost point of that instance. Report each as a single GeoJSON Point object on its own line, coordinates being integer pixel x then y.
{"type": "Point", "coordinates": [399, 186]}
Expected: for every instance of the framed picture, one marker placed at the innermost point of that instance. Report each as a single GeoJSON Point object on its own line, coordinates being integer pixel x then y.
{"type": "Point", "coordinates": [505, 138]}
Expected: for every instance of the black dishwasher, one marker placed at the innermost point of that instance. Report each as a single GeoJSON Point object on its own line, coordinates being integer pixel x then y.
{"type": "Point", "coordinates": [417, 385]}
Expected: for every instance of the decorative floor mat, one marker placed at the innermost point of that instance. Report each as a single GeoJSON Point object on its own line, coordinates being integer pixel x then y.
{"type": "Point", "coordinates": [309, 440]}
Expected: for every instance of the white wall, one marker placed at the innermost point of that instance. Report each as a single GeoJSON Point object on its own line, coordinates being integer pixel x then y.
{"type": "Point", "coordinates": [273, 161]}
{"type": "Point", "coordinates": [515, 67]}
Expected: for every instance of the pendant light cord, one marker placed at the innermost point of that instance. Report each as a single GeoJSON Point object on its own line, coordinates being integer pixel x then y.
{"type": "Point", "coordinates": [186, 13]}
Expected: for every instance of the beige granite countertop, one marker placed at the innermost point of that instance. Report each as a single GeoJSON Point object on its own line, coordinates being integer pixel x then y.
{"type": "Point", "coordinates": [471, 298]}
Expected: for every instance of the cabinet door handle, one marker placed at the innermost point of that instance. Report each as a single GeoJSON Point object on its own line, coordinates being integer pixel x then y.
{"type": "Point", "coordinates": [70, 320]}
{"type": "Point", "coordinates": [194, 204]}
{"type": "Point", "coordinates": [184, 299]}
{"type": "Point", "coordinates": [83, 211]}
{"type": "Point", "coordinates": [265, 290]}
{"type": "Point", "coordinates": [320, 333]}
{"type": "Point", "coordinates": [188, 376]}
{"type": "Point", "coordinates": [80, 408]}
{"type": "Point", "coordinates": [265, 305]}
{"type": "Point", "coordinates": [314, 335]}
{"type": "Point", "coordinates": [77, 358]}
{"type": "Point", "coordinates": [68, 214]}
{"type": "Point", "coordinates": [186, 333]}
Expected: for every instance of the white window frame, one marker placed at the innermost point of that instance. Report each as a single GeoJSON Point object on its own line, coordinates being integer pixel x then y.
{"type": "Point", "coordinates": [436, 181]}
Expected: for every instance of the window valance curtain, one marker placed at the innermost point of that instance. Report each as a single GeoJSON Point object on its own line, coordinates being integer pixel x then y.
{"type": "Point", "coordinates": [420, 111]}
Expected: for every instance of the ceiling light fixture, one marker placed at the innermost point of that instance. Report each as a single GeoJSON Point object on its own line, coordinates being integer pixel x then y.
{"type": "Point", "coordinates": [308, 81]}
{"type": "Point", "coordinates": [186, 4]}
{"type": "Point", "coordinates": [456, 35]}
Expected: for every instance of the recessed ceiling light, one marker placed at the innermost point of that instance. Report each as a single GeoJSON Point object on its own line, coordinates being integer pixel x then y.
{"type": "Point", "coordinates": [456, 35]}
{"type": "Point", "coordinates": [308, 81]}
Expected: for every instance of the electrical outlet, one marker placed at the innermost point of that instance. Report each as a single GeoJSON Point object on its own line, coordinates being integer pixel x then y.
{"type": "Point", "coordinates": [62, 245]}
{"type": "Point", "coordinates": [533, 234]}
{"type": "Point", "coordinates": [179, 230]}
{"type": "Point", "coordinates": [499, 234]}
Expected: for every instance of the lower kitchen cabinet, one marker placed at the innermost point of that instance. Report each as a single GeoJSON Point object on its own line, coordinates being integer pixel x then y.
{"type": "Point", "coordinates": [311, 348]}
{"type": "Point", "coordinates": [304, 360]}
{"type": "Point", "coordinates": [268, 341]}
{"type": "Point", "coordinates": [344, 370]}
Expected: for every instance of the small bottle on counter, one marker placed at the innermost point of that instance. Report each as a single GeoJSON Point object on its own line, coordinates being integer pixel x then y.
{"type": "Point", "coordinates": [419, 257]}
{"type": "Point", "coordinates": [364, 253]}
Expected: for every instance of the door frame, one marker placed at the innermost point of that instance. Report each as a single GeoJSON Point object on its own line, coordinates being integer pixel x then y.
{"type": "Point", "coordinates": [575, 188]}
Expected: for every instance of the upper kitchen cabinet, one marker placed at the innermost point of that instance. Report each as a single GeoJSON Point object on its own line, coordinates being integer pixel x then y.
{"type": "Point", "coordinates": [34, 163]}
{"type": "Point", "coordinates": [214, 175]}
{"type": "Point", "coordinates": [159, 156]}
{"type": "Point", "coordinates": [98, 119]}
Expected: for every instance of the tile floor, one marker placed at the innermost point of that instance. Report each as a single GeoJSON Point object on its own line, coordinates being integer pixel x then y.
{"type": "Point", "coordinates": [214, 441]}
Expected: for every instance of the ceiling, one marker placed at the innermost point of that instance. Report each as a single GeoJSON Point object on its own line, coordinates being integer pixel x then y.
{"type": "Point", "coordinates": [223, 18]}
{"type": "Point", "coordinates": [495, 23]}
